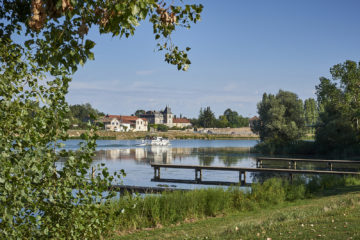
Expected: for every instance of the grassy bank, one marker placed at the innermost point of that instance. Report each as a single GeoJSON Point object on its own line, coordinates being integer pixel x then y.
{"type": "Point", "coordinates": [75, 134]}
{"type": "Point", "coordinates": [325, 217]}
{"type": "Point", "coordinates": [131, 213]}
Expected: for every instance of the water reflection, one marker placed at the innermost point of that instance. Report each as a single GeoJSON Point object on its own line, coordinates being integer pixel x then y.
{"type": "Point", "coordinates": [168, 155]}
{"type": "Point", "coordinates": [135, 160]}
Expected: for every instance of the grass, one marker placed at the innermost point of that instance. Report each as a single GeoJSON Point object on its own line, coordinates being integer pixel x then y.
{"type": "Point", "coordinates": [324, 217]}
{"type": "Point", "coordinates": [132, 213]}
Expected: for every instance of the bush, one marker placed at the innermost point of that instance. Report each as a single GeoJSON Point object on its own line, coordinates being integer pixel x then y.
{"type": "Point", "coordinates": [272, 191]}
{"type": "Point", "coordinates": [162, 128]}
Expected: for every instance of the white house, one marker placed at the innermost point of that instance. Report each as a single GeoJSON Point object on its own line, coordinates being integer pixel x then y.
{"type": "Point", "coordinates": [120, 123]}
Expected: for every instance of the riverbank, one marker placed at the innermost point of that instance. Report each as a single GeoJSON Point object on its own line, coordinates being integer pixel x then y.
{"type": "Point", "coordinates": [171, 134]}
{"type": "Point", "coordinates": [324, 217]}
{"type": "Point", "coordinates": [163, 212]}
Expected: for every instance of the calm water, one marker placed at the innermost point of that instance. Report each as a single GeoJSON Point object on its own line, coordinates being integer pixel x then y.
{"type": "Point", "coordinates": [135, 160]}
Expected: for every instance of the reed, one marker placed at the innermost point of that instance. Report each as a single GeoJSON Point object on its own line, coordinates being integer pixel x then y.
{"type": "Point", "coordinates": [131, 212]}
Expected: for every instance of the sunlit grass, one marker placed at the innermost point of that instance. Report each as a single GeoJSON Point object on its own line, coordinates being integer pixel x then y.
{"type": "Point", "coordinates": [131, 212]}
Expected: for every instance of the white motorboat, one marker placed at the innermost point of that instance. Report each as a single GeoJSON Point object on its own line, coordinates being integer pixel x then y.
{"type": "Point", "coordinates": [155, 141]}
{"type": "Point", "coordinates": [159, 141]}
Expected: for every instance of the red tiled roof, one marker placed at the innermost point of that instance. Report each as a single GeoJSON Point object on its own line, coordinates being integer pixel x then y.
{"type": "Point", "coordinates": [123, 119]}
{"type": "Point", "coordinates": [254, 118]}
{"type": "Point", "coordinates": [181, 120]}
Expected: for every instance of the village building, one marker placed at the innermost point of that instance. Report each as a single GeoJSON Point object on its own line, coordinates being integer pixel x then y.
{"type": "Point", "coordinates": [166, 117]}
{"type": "Point", "coordinates": [159, 117]}
{"type": "Point", "coordinates": [120, 123]}
{"type": "Point", "coordinates": [181, 122]}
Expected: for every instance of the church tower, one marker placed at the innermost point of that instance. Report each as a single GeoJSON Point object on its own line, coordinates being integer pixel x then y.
{"type": "Point", "coordinates": [168, 116]}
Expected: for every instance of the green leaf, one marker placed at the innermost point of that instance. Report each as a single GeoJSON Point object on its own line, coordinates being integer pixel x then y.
{"type": "Point", "coordinates": [89, 44]}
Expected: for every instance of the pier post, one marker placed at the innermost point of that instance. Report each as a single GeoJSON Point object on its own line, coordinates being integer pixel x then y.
{"type": "Point", "coordinates": [156, 172]}
{"type": "Point", "coordinates": [242, 178]}
{"type": "Point", "coordinates": [330, 166]}
{"type": "Point", "coordinates": [198, 175]}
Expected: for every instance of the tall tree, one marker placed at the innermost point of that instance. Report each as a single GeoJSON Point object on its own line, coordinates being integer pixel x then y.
{"type": "Point", "coordinates": [340, 98]}
{"type": "Point", "coordinates": [311, 113]}
{"type": "Point", "coordinates": [281, 118]}
{"type": "Point", "coordinates": [42, 43]}
{"type": "Point", "coordinates": [232, 117]}
{"type": "Point", "coordinates": [207, 118]}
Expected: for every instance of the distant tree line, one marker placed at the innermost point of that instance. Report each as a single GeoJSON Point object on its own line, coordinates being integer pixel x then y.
{"type": "Point", "coordinates": [334, 118]}
{"type": "Point", "coordinates": [80, 114]}
{"type": "Point", "coordinates": [230, 118]}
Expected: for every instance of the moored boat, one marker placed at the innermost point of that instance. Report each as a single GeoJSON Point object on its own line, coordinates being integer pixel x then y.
{"type": "Point", "coordinates": [155, 141]}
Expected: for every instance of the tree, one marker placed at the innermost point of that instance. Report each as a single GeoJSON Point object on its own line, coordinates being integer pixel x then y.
{"type": "Point", "coordinates": [311, 113]}
{"type": "Point", "coordinates": [139, 112]}
{"type": "Point", "coordinates": [281, 118]}
{"type": "Point", "coordinates": [42, 43]}
{"type": "Point", "coordinates": [234, 119]}
{"type": "Point", "coordinates": [162, 128]}
{"type": "Point", "coordinates": [338, 127]}
{"type": "Point", "coordinates": [207, 118]}
{"type": "Point", "coordinates": [81, 114]}
{"type": "Point", "coordinates": [222, 122]}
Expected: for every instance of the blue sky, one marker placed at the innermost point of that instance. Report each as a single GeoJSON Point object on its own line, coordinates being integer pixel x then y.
{"type": "Point", "coordinates": [239, 50]}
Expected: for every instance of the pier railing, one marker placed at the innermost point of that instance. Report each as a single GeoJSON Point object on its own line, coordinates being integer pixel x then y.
{"type": "Point", "coordinates": [242, 172]}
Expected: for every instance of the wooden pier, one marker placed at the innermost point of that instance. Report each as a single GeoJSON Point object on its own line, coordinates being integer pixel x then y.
{"type": "Point", "coordinates": [242, 172]}
{"type": "Point", "coordinates": [292, 161]}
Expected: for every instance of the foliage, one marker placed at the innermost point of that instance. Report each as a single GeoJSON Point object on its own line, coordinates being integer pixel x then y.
{"type": "Point", "coordinates": [139, 112]}
{"type": "Point", "coordinates": [42, 42]}
{"type": "Point", "coordinates": [311, 113]}
{"type": "Point", "coordinates": [281, 118]}
{"type": "Point", "coordinates": [81, 114]}
{"type": "Point", "coordinates": [234, 120]}
{"type": "Point", "coordinates": [162, 128]}
{"type": "Point", "coordinates": [230, 118]}
{"type": "Point", "coordinates": [159, 127]}
{"type": "Point", "coordinates": [339, 128]}
{"type": "Point", "coordinates": [300, 147]}
{"type": "Point", "coordinates": [206, 118]}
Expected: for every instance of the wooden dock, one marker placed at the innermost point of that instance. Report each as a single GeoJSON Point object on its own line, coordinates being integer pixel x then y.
{"type": "Point", "coordinates": [242, 172]}
{"type": "Point", "coordinates": [292, 161]}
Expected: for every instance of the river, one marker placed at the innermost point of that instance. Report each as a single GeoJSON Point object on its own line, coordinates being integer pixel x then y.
{"type": "Point", "coordinates": [135, 160]}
